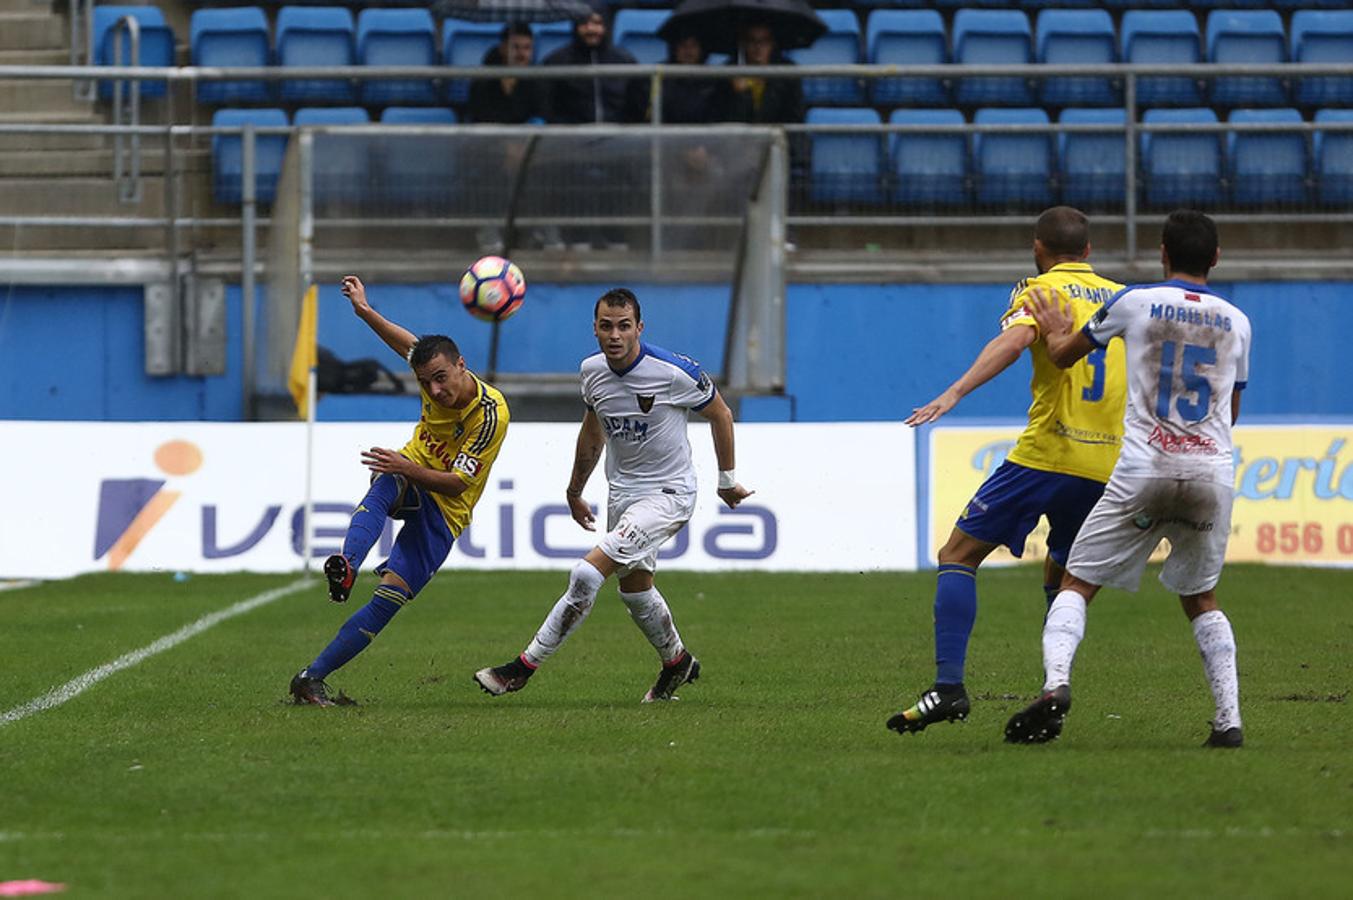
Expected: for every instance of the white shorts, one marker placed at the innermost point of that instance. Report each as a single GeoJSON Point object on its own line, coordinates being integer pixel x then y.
{"type": "Point", "coordinates": [637, 525]}
{"type": "Point", "coordinates": [1132, 517]}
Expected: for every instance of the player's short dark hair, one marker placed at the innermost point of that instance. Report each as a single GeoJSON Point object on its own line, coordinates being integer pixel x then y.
{"type": "Point", "coordinates": [429, 346]}
{"type": "Point", "coordinates": [1063, 231]}
{"type": "Point", "coordinates": [619, 297]}
{"type": "Point", "coordinates": [516, 29]}
{"type": "Point", "coordinates": [1190, 241]}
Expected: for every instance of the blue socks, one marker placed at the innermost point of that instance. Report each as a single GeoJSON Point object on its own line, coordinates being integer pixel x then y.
{"type": "Point", "coordinates": [955, 613]}
{"type": "Point", "coordinates": [368, 522]}
{"type": "Point", "coordinates": [359, 630]}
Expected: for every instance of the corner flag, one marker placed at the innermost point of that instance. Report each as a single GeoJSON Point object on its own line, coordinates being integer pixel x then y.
{"type": "Point", "coordinates": [305, 355]}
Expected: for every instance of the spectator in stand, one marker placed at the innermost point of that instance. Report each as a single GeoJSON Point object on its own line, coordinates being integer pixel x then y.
{"type": "Point", "coordinates": [575, 101]}
{"type": "Point", "coordinates": [512, 101]}
{"type": "Point", "coordinates": [760, 100]}
{"type": "Point", "coordinates": [693, 180]}
{"type": "Point", "coordinates": [507, 101]}
{"type": "Point", "coordinates": [687, 101]}
{"type": "Point", "coordinates": [604, 185]}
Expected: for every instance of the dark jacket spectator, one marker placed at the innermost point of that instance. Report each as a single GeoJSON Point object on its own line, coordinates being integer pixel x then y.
{"type": "Point", "coordinates": [688, 101]}
{"type": "Point", "coordinates": [760, 100]}
{"type": "Point", "coordinates": [583, 100]}
{"type": "Point", "coordinates": [509, 101]}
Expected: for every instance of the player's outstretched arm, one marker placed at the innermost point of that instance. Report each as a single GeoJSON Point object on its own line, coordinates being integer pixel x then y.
{"type": "Point", "coordinates": [1065, 346]}
{"type": "Point", "coordinates": [721, 427]}
{"type": "Point", "coordinates": [586, 453]}
{"type": "Point", "coordinates": [382, 461]}
{"type": "Point", "coordinates": [396, 337]}
{"type": "Point", "coordinates": [995, 358]}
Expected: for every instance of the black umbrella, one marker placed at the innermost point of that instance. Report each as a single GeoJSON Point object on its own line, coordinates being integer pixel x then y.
{"type": "Point", "coordinates": [716, 22]}
{"type": "Point", "coordinates": [512, 10]}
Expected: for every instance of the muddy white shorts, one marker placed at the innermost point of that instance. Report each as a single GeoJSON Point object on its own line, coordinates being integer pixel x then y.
{"type": "Point", "coordinates": [1132, 517]}
{"type": "Point", "coordinates": [637, 525]}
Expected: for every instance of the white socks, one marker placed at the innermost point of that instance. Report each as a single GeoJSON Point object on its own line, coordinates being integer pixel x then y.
{"type": "Point", "coordinates": [1063, 630]}
{"type": "Point", "coordinates": [651, 613]}
{"type": "Point", "coordinates": [1217, 643]}
{"type": "Point", "coordinates": [568, 613]}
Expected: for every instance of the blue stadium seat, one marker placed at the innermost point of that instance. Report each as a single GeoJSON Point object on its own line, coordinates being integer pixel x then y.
{"type": "Point", "coordinates": [930, 170]}
{"type": "Point", "coordinates": [1092, 165]}
{"type": "Point", "coordinates": [156, 46]}
{"type": "Point", "coordinates": [1267, 168]}
{"type": "Point", "coordinates": [340, 161]}
{"type": "Point", "coordinates": [227, 155]}
{"type": "Point", "coordinates": [550, 36]}
{"type": "Point", "coordinates": [464, 44]}
{"type": "Point", "coordinates": [961, 4]}
{"type": "Point", "coordinates": [396, 37]}
{"type": "Point", "coordinates": [418, 115]}
{"type": "Point", "coordinates": [907, 37]}
{"type": "Point", "coordinates": [1333, 164]}
{"type": "Point", "coordinates": [1076, 37]}
{"type": "Point", "coordinates": [1323, 36]}
{"type": "Point", "coordinates": [315, 36]}
{"type": "Point", "coordinates": [1182, 168]}
{"type": "Point", "coordinates": [1251, 36]}
{"type": "Point", "coordinates": [1162, 36]}
{"type": "Point", "coordinates": [992, 37]}
{"type": "Point", "coordinates": [844, 167]}
{"type": "Point", "coordinates": [839, 46]}
{"type": "Point", "coordinates": [1012, 170]}
{"type": "Point", "coordinates": [417, 172]}
{"type": "Point", "coordinates": [231, 37]}
{"type": "Point", "coordinates": [637, 31]}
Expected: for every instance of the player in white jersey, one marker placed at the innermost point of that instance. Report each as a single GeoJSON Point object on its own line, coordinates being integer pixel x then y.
{"type": "Point", "coordinates": [637, 398]}
{"type": "Point", "coordinates": [1187, 362]}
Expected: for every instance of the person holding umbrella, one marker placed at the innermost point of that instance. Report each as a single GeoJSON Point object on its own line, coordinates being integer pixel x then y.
{"type": "Point", "coordinates": [760, 100]}
{"type": "Point", "coordinates": [756, 33]}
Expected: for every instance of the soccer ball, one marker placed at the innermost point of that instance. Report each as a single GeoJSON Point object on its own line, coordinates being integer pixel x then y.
{"type": "Point", "coordinates": [492, 289]}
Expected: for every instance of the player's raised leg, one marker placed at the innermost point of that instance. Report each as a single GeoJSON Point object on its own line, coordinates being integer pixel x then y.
{"type": "Point", "coordinates": [420, 548]}
{"type": "Point", "coordinates": [368, 522]}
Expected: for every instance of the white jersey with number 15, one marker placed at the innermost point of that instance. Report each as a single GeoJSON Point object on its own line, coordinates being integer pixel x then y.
{"type": "Point", "coordinates": [1187, 349]}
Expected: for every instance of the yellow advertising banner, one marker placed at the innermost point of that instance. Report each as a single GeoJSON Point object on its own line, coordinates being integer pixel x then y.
{"type": "Point", "coordinates": [1294, 491]}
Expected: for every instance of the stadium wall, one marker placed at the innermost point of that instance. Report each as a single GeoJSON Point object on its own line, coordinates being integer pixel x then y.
{"type": "Point", "coordinates": [854, 352]}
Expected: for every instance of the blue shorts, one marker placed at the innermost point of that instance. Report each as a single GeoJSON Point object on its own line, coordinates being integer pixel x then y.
{"type": "Point", "coordinates": [423, 542]}
{"type": "Point", "coordinates": [1007, 506]}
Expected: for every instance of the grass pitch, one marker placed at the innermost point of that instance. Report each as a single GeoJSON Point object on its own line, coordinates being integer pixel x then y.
{"type": "Point", "coordinates": [188, 775]}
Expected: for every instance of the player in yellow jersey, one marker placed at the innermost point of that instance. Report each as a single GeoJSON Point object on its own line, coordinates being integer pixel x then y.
{"type": "Point", "coordinates": [1057, 469]}
{"type": "Point", "coordinates": [432, 484]}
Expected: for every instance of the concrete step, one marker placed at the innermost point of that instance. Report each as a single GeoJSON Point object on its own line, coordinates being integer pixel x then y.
{"type": "Point", "coordinates": [95, 163]}
{"type": "Point", "coordinates": [35, 7]}
{"type": "Point", "coordinates": [78, 196]}
{"type": "Point", "coordinates": [33, 31]}
{"type": "Point", "coordinates": [18, 95]}
{"type": "Point", "coordinates": [80, 114]}
{"type": "Point", "coordinates": [115, 242]}
{"type": "Point", "coordinates": [49, 57]}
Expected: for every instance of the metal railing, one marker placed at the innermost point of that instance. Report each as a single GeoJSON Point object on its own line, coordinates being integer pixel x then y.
{"type": "Point", "coordinates": [127, 145]}
{"type": "Point", "coordinates": [127, 137]}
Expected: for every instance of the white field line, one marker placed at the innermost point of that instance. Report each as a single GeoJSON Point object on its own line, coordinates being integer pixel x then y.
{"type": "Point", "coordinates": [81, 683]}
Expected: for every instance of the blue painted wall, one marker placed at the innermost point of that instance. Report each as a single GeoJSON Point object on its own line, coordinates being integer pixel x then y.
{"type": "Point", "coordinates": [855, 352]}
{"type": "Point", "coordinates": [79, 353]}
